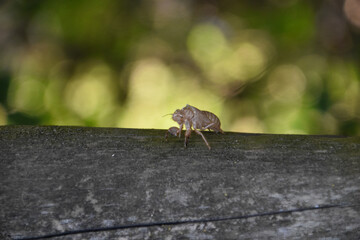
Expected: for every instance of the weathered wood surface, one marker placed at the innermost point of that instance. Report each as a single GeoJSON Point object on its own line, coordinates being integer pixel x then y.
{"type": "Point", "coordinates": [83, 183]}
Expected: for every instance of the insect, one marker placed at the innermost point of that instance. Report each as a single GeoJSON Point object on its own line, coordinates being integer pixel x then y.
{"type": "Point", "coordinates": [194, 120]}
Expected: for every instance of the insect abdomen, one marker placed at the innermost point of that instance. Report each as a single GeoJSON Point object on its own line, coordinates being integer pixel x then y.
{"type": "Point", "coordinates": [214, 119]}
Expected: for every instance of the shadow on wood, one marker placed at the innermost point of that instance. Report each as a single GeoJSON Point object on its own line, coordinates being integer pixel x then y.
{"type": "Point", "coordinates": [103, 183]}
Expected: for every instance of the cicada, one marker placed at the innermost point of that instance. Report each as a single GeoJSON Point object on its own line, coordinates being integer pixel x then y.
{"type": "Point", "coordinates": [194, 120]}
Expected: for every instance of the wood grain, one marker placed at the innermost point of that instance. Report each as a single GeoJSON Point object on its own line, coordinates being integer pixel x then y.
{"type": "Point", "coordinates": [108, 183]}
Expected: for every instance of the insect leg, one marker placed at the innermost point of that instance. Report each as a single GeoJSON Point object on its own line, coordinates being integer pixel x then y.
{"type": "Point", "coordinates": [207, 144]}
{"type": "Point", "coordinates": [208, 125]}
{"type": "Point", "coordinates": [180, 129]}
{"type": "Point", "coordinates": [187, 135]}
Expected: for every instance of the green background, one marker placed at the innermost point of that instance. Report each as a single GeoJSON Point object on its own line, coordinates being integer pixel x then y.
{"type": "Point", "coordinates": [261, 66]}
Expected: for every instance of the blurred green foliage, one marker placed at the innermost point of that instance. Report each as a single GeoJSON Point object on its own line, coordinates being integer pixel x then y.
{"type": "Point", "coordinates": [268, 66]}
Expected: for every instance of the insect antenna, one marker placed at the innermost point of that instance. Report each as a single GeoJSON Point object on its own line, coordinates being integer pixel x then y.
{"type": "Point", "coordinates": [167, 114]}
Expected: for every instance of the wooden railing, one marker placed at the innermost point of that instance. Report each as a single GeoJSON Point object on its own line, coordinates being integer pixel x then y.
{"type": "Point", "coordinates": [108, 183]}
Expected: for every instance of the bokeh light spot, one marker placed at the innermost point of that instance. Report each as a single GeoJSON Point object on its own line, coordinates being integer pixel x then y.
{"type": "Point", "coordinates": [352, 11]}
{"type": "Point", "coordinates": [287, 83]}
{"type": "Point", "coordinates": [207, 44]}
{"type": "Point", "coordinates": [248, 60]}
{"type": "Point", "coordinates": [90, 93]}
{"type": "Point", "coordinates": [148, 90]}
{"type": "Point", "coordinates": [27, 95]}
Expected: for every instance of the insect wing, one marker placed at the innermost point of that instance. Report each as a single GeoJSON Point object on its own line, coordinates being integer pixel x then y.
{"type": "Point", "coordinates": [200, 118]}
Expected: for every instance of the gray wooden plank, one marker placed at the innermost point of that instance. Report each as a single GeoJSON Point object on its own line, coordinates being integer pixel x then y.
{"type": "Point", "coordinates": [57, 180]}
